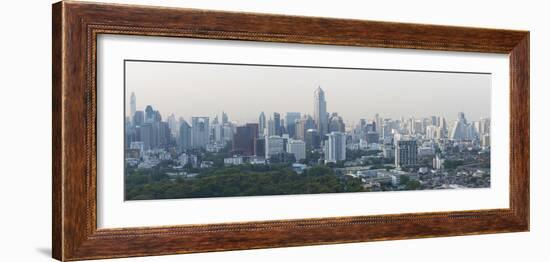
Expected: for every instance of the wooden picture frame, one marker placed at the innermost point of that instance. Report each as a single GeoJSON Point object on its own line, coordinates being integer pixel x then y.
{"type": "Point", "coordinates": [75, 28]}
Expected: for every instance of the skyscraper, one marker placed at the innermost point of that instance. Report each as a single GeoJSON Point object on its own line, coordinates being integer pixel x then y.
{"type": "Point", "coordinates": [227, 132]}
{"type": "Point", "coordinates": [157, 116]}
{"type": "Point", "coordinates": [312, 139]}
{"type": "Point", "coordinates": [385, 128]}
{"type": "Point", "coordinates": [290, 119]}
{"type": "Point", "coordinates": [132, 105]}
{"type": "Point", "coordinates": [164, 134]}
{"type": "Point", "coordinates": [173, 124]}
{"type": "Point", "coordinates": [335, 148]}
{"type": "Point", "coordinates": [225, 118]}
{"type": "Point", "coordinates": [245, 138]}
{"type": "Point", "coordinates": [300, 129]}
{"type": "Point", "coordinates": [484, 126]}
{"type": "Point", "coordinates": [270, 128]}
{"type": "Point", "coordinates": [405, 153]}
{"type": "Point", "coordinates": [438, 162]}
{"type": "Point", "coordinates": [138, 119]}
{"type": "Point", "coordinates": [259, 146]}
{"type": "Point", "coordinates": [200, 132]}
{"type": "Point", "coordinates": [146, 135]}
{"type": "Point", "coordinates": [336, 123]}
{"type": "Point", "coordinates": [486, 141]}
{"type": "Point", "coordinates": [296, 147]}
{"type": "Point", "coordinates": [372, 137]}
{"type": "Point", "coordinates": [262, 124]}
{"type": "Point", "coordinates": [377, 122]}
{"type": "Point", "coordinates": [370, 127]}
{"type": "Point", "coordinates": [443, 132]}
{"type": "Point", "coordinates": [217, 132]}
{"type": "Point", "coordinates": [149, 114]}
{"type": "Point", "coordinates": [432, 132]}
{"type": "Point", "coordinates": [156, 134]}
{"type": "Point", "coordinates": [184, 139]}
{"type": "Point", "coordinates": [320, 112]}
{"type": "Point", "coordinates": [273, 145]}
{"type": "Point", "coordinates": [461, 129]}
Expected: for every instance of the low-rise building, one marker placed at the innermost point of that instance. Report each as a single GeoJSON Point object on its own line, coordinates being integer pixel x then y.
{"type": "Point", "coordinates": [233, 161]}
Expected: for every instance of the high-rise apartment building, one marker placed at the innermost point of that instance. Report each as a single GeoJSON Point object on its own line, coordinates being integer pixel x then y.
{"type": "Point", "coordinates": [138, 119]}
{"type": "Point", "coordinates": [270, 128]}
{"type": "Point", "coordinates": [312, 139]}
{"type": "Point", "coordinates": [146, 136]}
{"type": "Point", "coordinates": [184, 138]}
{"type": "Point", "coordinates": [244, 140]}
{"type": "Point", "coordinates": [277, 124]}
{"type": "Point", "coordinates": [262, 124]}
{"type": "Point", "coordinates": [164, 134]}
{"type": "Point", "coordinates": [273, 145]}
{"type": "Point", "coordinates": [290, 120]}
{"type": "Point", "coordinates": [336, 123]}
{"type": "Point", "coordinates": [132, 105]}
{"type": "Point", "coordinates": [200, 132]}
{"type": "Point", "coordinates": [296, 147]}
{"type": "Point", "coordinates": [406, 153]}
{"type": "Point", "coordinates": [320, 111]}
{"type": "Point", "coordinates": [335, 147]}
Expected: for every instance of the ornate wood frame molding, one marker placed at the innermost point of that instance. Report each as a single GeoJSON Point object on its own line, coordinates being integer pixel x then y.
{"type": "Point", "coordinates": [75, 28]}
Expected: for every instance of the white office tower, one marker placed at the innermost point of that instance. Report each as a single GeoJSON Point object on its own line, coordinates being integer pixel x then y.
{"type": "Point", "coordinates": [486, 141]}
{"type": "Point", "coordinates": [262, 124]}
{"type": "Point", "coordinates": [218, 133]}
{"type": "Point", "coordinates": [298, 148]}
{"type": "Point", "coordinates": [335, 148]}
{"type": "Point", "coordinates": [200, 132]}
{"type": "Point", "coordinates": [273, 145]}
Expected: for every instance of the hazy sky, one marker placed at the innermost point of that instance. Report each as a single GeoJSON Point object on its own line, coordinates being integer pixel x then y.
{"type": "Point", "coordinates": [244, 91]}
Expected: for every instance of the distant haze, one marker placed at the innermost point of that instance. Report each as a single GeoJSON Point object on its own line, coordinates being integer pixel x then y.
{"type": "Point", "coordinates": [243, 91]}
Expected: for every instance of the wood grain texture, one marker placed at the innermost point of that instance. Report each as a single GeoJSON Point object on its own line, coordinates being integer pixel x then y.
{"type": "Point", "coordinates": [76, 26]}
{"type": "Point", "coordinates": [57, 199]}
{"type": "Point", "coordinates": [519, 129]}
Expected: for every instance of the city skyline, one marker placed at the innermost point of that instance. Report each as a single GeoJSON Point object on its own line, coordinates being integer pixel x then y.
{"type": "Point", "coordinates": [282, 117]}
{"type": "Point", "coordinates": [472, 97]}
{"type": "Point", "coordinates": [274, 137]}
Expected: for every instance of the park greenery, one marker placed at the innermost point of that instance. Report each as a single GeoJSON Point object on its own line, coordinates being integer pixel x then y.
{"type": "Point", "coordinates": [243, 180]}
{"type": "Point", "coordinates": [168, 181]}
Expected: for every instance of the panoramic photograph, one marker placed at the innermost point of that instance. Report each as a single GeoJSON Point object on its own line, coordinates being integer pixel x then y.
{"type": "Point", "coordinates": [202, 130]}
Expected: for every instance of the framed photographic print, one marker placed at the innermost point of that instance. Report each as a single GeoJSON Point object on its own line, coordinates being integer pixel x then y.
{"type": "Point", "coordinates": [182, 130]}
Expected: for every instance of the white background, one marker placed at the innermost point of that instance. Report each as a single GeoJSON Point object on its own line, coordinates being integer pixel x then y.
{"type": "Point", "coordinates": [25, 82]}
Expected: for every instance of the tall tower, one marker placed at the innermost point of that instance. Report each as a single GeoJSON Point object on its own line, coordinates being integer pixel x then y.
{"type": "Point", "coordinates": [406, 153]}
{"type": "Point", "coordinates": [149, 114]}
{"type": "Point", "coordinates": [200, 132]}
{"type": "Point", "coordinates": [245, 138]}
{"type": "Point", "coordinates": [184, 138]}
{"type": "Point", "coordinates": [225, 118]}
{"type": "Point", "coordinates": [320, 111]}
{"type": "Point", "coordinates": [262, 124]}
{"type": "Point", "coordinates": [459, 131]}
{"type": "Point", "coordinates": [335, 148]}
{"type": "Point", "coordinates": [291, 118]}
{"type": "Point", "coordinates": [270, 128]}
{"type": "Point", "coordinates": [132, 105]}
{"type": "Point", "coordinates": [277, 122]}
